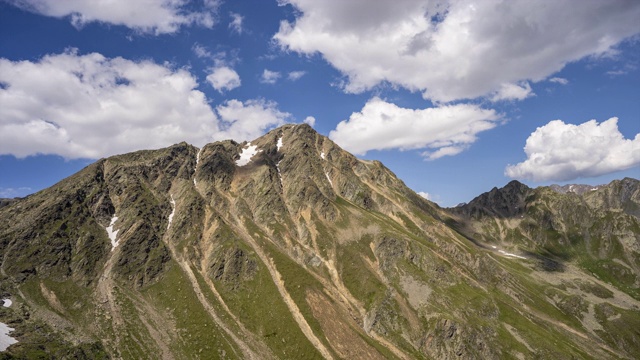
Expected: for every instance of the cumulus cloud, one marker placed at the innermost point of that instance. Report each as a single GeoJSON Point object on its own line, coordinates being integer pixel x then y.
{"type": "Point", "coordinates": [146, 16]}
{"type": "Point", "coordinates": [451, 50]}
{"type": "Point", "coordinates": [309, 120]}
{"type": "Point", "coordinates": [559, 80]}
{"type": "Point", "coordinates": [248, 120]}
{"type": "Point", "coordinates": [512, 92]}
{"type": "Point", "coordinates": [424, 195]}
{"type": "Point", "coordinates": [563, 152]}
{"type": "Point", "coordinates": [269, 77]}
{"type": "Point", "coordinates": [441, 131]}
{"type": "Point", "coordinates": [296, 75]}
{"type": "Point", "coordinates": [236, 23]}
{"type": "Point", "coordinates": [223, 78]}
{"type": "Point", "coordinates": [90, 106]}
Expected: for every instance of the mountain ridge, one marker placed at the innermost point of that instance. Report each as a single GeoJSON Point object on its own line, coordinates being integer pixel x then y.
{"type": "Point", "coordinates": [303, 251]}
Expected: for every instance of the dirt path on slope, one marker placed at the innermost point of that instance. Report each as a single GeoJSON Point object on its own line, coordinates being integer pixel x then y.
{"type": "Point", "coordinates": [286, 297]}
{"type": "Point", "coordinates": [158, 326]}
{"type": "Point", "coordinates": [260, 346]}
{"type": "Point", "coordinates": [263, 352]}
{"type": "Point", "coordinates": [568, 328]}
{"type": "Point", "coordinates": [247, 353]}
{"type": "Point", "coordinates": [104, 292]}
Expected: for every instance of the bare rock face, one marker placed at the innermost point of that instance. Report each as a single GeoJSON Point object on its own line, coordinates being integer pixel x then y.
{"type": "Point", "coordinates": [289, 247]}
{"type": "Point", "coordinates": [5, 202]}
{"type": "Point", "coordinates": [506, 202]}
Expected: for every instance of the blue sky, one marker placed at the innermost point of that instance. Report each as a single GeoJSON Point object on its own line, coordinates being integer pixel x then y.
{"type": "Point", "coordinates": [455, 97]}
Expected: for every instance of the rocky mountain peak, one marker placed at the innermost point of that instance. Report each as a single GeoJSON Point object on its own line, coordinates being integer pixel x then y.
{"type": "Point", "coordinates": [508, 201]}
{"type": "Point", "coordinates": [296, 169]}
{"type": "Point", "coordinates": [619, 194]}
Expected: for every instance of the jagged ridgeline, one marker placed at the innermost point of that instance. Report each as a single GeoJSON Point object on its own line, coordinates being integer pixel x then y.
{"type": "Point", "coordinates": [288, 247]}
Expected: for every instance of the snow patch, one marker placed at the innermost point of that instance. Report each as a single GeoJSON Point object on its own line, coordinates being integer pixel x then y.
{"type": "Point", "coordinates": [173, 211]}
{"type": "Point", "coordinates": [195, 183]}
{"type": "Point", "coordinates": [279, 143]}
{"type": "Point", "coordinates": [322, 155]}
{"type": "Point", "coordinates": [5, 339]}
{"type": "Point", "coordinates": [247, 153]}
{"type": "Point", "coordinates": [7, 302]}
{"type": "Point", "coordinates": [278, 163]}
{"type": "Point", "coordinates": [279, 173]}
{"type": "Point", "coordinates": [113, 233]}
{"type": "Point", "coordinates": [511, 255]}
{"type": "Point", "coordinates": [508, 254]}
{"type": "Point", "coordinates": [328, 178]}
{"type": "Point", "coordinates": [198, 157]}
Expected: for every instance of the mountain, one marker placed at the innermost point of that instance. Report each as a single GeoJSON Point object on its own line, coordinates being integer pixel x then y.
{"type": "Point", "coordinates": [597, 229]}
{"type": "Point", "coordinates": [5, 202]}
{"type": "Point", "coordinates": [289, 247]}
{"type": "Point", "coordinates": [575, 188]}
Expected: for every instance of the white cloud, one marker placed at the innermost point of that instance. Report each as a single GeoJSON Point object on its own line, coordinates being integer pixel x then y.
{"type": "Point", "coordinates": [559, 80]}
{"type": "Point", "coordinates": [212, 4]}
{"type": "Point", "coordinates": [512, 92]}
{"type": "Point", "coordinates": [309, 120]}
{"type": "Point", "coordinates": [248, 120]}
{"type": "Point", "coordinates": [458, 49]}
{"type": "Point", "coordinates": [15, 192]}
{"type": "Point", "coordinates": [424, 195]}
{"type": "Point", "coordinates": [444, 151]}
{"type": "Point", "coordinates": [146, 16]}
{"type": "Point", "coordinates": [269, 77]}
{"type": "Point", "coordinates": [90, 106]}
{"type": "Point", "coordinates": [616, 72]}
{"type": "Point", "coordinates": [296, 75]}
{"type": "Point", "coordinates": [219, 59]}
{"type": "Point", "coordinates": [562, 152]}
{"type": "Point", "coordinates": [625, 69]}
{"type": "Point", "coordinates": [223, 78]}
{"type": "Point", "coordinates": [444, 130]}
{"type": "Point", "coordinates": [236, 23]}
{"type": "Point", "coordinates": [201, 51]}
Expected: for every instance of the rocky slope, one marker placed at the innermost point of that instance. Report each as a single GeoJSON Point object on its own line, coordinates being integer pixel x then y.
{"type": "Point", "coordinates": [5, 202]}
{"type": "Point", "coordinates": [586, 238]}
{"type": "Point", "coordinates": [290, 247]}
{"type": "Point", "coordinates": [574, 188]}
{"type": "Point", "coordinates": [598, 229]}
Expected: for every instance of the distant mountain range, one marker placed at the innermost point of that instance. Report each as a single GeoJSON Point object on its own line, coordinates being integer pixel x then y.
{"type": "Point", "coordinates": [289, 247]}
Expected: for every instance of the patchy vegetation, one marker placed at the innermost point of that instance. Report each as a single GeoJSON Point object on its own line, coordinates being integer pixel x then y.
{"type": "Point", "coordinates": [307, 252]}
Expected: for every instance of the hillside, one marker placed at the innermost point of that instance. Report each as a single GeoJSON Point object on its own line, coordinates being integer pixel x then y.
{"type": "Point", "coordinates": [289, 247]}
